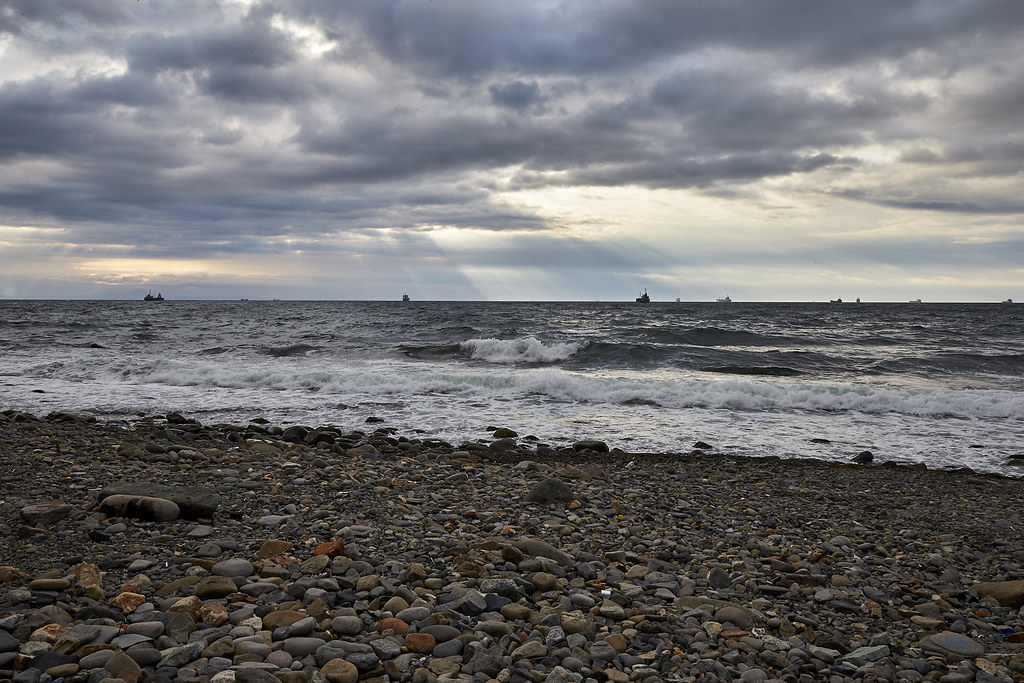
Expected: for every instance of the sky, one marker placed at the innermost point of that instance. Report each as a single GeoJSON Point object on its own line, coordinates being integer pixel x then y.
{"type": "Point", "coordinates": [466, 149]}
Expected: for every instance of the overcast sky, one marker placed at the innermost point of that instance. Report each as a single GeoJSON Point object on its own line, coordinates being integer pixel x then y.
{"type": "Point", "coordinates": [790, 150]}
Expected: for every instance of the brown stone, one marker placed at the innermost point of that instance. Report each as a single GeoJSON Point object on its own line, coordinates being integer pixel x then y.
{"type": "Point", "coordinates": [733, 633]}
{"type": "Point", "coordinates": [49, 584]}
{"type": "Point", "coordinates": [48, 634]}
{"type": "Point", "coordinates": [62, 670]}
{"type": "Point", "coordinates": [285, 617]}
{"type": "Point", "coordinates": [190, 606]}
{"type": "Point", "coordinates": [128, 602]}
{"type": "Point", "coordinates": [87, 576]}
{"type": "Point", "coordinates": [213, 614]}
{"type": "Point", "coordinates": [273, 548]}
{"type": "Point", "coordinates": [415, 572]}
{"type": "Point", "coordinates": [216, 587]}
{"type": "Point", "coordinates": [9, 574]}
{"type": "Point", "coordinates": [340, 671]}
{"type": "Point", "coordinates": [395, 624]}
{"type": "Point", "coordinates": [1006, 593]}
{"type": "Point", "coordinates": [330, 549]}
{"type": "Point", "coordinates": [617, 641]}
{"type": "Point", "coordinates": [422, 643]}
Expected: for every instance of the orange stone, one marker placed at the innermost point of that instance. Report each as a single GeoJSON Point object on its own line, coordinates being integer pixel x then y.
{"type": "Point", "coordinates": [47, 634]}
{"type": "Point", "coordinates": [128, 602]}
{"type": "Point", "coordinates": [395, 624]}
{"type": "Point", "coordinates": [9, 574]}
{"type": "Point", "coordinates": [422, 643]}
{"type": "Point", "coordinates": [330, 548]}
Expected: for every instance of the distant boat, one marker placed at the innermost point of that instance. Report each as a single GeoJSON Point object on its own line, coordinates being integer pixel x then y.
{"type": "Point", "coordinates": [643, 298]}
{"type": "Point", "coordinates": [1008, 301]}
{"type": "Point", "coordinates": [678, 300]}
{"type": "Point", "coordinates": [858, 299]}
{"type": "Point", "coordinates": [150, 297]}
{"type": "Point", "coordinates": [836, 301]}
{"type": "Point", "coordinates": [724, 300]}
{"type": "Point", "coordinates": [405, 297]}
{"type": "Point", "coordinates": [915, 301]}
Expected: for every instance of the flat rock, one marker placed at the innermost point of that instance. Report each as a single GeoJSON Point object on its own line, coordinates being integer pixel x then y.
{"type": "Point", "coordinates": [45, 513]}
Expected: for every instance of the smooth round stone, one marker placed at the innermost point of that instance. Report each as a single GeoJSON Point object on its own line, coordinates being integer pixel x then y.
{"type": "Point", "coordinates": [497, 629]}
{"type": "Point", "coordinates": [413, 614]}
{"type": "Point", "coordinates": [395, 605]}
{"type": "Point", "coordinates": [347, 625]}
{"type": "Point", "coordinates": [954, 643]}
{"type": "Point", "coordinates": [738, 617]}
{"type": "Point", "coordinates": [283, 617]}
{"type": "Point", "coordinates": [340, 671]}
{"type": "Point", "coordinates": [394, 624]}
{"type": "Point", "coordinates": [151, 629]}
{"type": "Point", "coordinates": [442, 632]}
{"type": "Point", "coordinates": [49, 584]}
{"type": "Point", "coordinates": [215, 587]}
{"type": "Point", "coordinates": [97, 659]}
{"type": "Point", "coordinates": [450, 648]}
{"type": "Point", "coordinates": [252, 648]}
{"type": "Point", "coordinates": [422, 643]}
{"type": "Point", "coordinates": [62, 670]}
{"type": "Point", "coordinates": [301, 646]}
{"type": "Point", "coordinates": [236, 566]}
{"type": "Point", "coordinates": [583, 601]}
{"type": "Point", "coordinates": [754, 676]}
{"type": "Point", "coordinates": [302, 627]}
{"type": "Point", "coordinates": [280, 659]}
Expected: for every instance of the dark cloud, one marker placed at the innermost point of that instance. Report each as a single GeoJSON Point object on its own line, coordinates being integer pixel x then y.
{"type": "Point", "coordinates": [217, 122]}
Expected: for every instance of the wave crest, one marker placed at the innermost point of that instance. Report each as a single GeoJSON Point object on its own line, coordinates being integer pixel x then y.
{"type": "Point", "coordinates": [523, 350]}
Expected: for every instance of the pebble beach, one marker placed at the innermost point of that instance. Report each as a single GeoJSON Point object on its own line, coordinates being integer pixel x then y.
{"type": "Point", "coordinates": [162, 549]}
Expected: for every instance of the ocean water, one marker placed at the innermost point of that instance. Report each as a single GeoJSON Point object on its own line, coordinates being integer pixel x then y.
{"type": "Point", "coordinates": [941, 384]}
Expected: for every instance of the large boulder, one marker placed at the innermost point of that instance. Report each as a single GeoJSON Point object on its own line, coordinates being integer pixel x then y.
{"type": "Point", "coordinates": [192, 501]}
{"type": "Point", "coordinates": [141, 507]}
{"type": "Point", "coordinates": [1006, 593]}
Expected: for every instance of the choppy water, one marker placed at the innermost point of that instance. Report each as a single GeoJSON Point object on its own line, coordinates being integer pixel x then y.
{"type": "Point", "coordinates": [935, 383]}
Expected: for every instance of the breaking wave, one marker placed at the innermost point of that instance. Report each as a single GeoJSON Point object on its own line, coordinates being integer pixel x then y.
{"type": "Point", "coordinates": [513, 351]}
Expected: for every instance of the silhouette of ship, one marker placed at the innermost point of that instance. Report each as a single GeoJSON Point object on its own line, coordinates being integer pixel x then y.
{"type": "Point", "coordinates": [149, 297]}
{"type": "Point", "coordinates": [643, 298]}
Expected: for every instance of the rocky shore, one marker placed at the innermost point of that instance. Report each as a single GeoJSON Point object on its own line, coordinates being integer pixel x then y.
{"type": "Point", "coordinates": [167, 550]}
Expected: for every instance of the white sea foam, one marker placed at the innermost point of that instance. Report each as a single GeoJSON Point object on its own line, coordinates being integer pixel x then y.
{"type": "Point", "coordinates": [362, 380]}
{"type": "Point", "coordinates": [525, 350]}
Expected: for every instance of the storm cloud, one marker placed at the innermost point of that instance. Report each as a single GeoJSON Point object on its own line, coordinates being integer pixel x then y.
{"type": "Point", "coordinates": [219, 128]}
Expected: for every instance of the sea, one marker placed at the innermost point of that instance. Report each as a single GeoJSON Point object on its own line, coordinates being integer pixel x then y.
{"type": "Point", "coordinates": [940, 384]}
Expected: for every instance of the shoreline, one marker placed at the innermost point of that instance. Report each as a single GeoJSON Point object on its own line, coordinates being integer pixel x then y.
{"type": "Point", "coordinates": [627, 567]}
